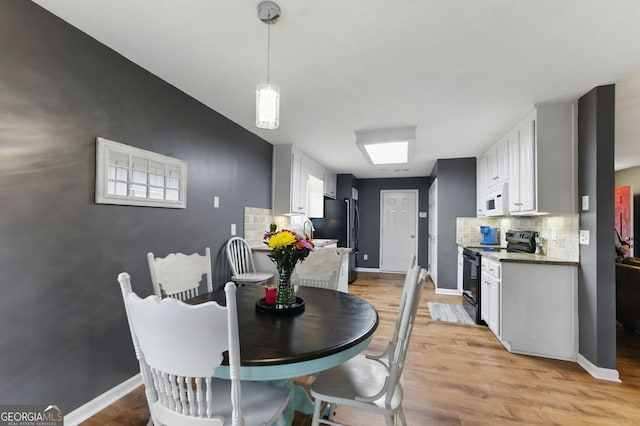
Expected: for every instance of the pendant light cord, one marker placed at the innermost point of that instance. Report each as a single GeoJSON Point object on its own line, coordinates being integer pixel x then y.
{"type": "Point", "coordinates": [268, 46]}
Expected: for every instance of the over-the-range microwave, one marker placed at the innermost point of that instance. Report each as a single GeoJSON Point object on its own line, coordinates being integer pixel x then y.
{"type": "Point", "coordinates": [497, 202]}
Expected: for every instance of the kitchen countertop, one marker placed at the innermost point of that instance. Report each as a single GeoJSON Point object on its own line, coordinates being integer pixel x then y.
{"type": "Point", "coordinates": [265, 248]}
{"type": "Point", "coordinates": [503, 256]}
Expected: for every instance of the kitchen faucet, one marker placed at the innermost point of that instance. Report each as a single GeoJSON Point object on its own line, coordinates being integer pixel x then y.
{"type": "Point", "coordinates": [311, 229]}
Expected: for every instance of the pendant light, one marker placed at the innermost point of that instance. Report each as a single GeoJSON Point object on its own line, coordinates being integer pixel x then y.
{"type": "Point", "coordinates": [268, 95]}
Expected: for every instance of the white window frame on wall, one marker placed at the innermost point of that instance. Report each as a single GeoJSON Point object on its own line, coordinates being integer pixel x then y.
{"type": "Point", "coordinates": [131, 176]}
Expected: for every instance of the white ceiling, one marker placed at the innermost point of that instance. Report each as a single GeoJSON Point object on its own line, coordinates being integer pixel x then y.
{"type": "Point", "coordinates": [462, 71]}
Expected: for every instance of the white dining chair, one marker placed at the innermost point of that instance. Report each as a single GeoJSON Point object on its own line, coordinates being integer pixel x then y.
{"type": "Point", "coordinates": [330, 283]}
{"type": "Point", "coordinates": [408, 282]}
{"type": "Point", "coordinates": [370, 384]}
{"type": "Point", "coordinates": [320, 269]}
{"type": "Point", "coordinates": [179, 346]}
{"type": "Point", "coordinates": [179, 275]}
{"type": "Point", "coordinates": [242, 266]}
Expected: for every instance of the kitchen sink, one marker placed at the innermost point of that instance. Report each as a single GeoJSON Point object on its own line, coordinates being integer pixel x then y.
{"type": "Point", "coordinates": [322, 242]}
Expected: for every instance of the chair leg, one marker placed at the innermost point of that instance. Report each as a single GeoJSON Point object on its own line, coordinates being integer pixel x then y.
{"type": "Point", "coordinates": [315, 421]}
{"type": "Point", "coordinates": [403, 419]}
{"type": "Point", "coordinates": [389, 419]}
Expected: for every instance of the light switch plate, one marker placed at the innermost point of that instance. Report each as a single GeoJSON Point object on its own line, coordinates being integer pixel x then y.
{"type": "Point", "coordinates": [585, 203]}
{"type": "Point", "coordinates": [216, 202]}
{"type": "Point", "coordinates": [233, 229]}
{"type": "Point", "coordinates": [584, 237]}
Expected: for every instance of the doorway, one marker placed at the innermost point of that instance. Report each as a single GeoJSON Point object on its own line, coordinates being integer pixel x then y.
{"type": "Point", "coordinates": [398, 229]}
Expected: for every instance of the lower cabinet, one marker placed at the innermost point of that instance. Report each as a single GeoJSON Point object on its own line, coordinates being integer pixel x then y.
{"type": "Point", "coordinates": [460, 271]}
{"type": "Point", "coordinates": [536, 308]}
{"type": "Point", "coordinates": [490, 294]}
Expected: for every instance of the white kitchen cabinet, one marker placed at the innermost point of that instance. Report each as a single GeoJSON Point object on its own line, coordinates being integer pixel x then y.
{"type": "Point", "coordinates": [490, 294]}
{"type": "Point", "coordinates": [497, 171]}
{"type": "Point", "coordinates": [330, 184]}
{"type": "Point", "coordinates": [315, 197]}
{"type": "Point", "coordinates": [522, 168]}
{"type": "Point", "coordinates": [460, 271]}
{"type": "Point", "coordinates": [481, 187]}
{"type": "Point", "coordinates": [541, 161]}
{"type": "Point", "coordinates": [298, 191]}
{"type": "Point", "coordinates": [293, 192]}
{"type": "Point", "coordinates": [539, 309]}
{"type": "Point", "coordinates": [484, 296]}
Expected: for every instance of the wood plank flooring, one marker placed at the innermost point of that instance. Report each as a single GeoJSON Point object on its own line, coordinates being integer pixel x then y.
{"type": "Point", "coordinates": [459, 374]}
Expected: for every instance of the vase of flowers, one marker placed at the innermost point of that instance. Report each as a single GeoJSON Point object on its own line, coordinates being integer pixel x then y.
{"type": "Point", "coordinates": [287, 249]}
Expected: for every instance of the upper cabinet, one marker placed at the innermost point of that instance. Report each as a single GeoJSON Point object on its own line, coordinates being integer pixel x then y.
{"type": "Point", "coordinates": [330, 184]}
{"type": "Point", "coordinates": [298, 183]}
{"type": "Point", "coordinates": [522, 168]}
{"type": "Point", "coordinates": [481, 185]}
{"type": "Point", "coordinates": [497, 171]}
{"type": "Point", "coordinates": [540, 166]}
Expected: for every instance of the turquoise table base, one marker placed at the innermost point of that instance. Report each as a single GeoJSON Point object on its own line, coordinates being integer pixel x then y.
{"type": "Point", "coordinates": [282, 375]}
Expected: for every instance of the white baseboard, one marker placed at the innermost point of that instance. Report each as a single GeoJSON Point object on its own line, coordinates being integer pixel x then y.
{"type": "Point", "coordinates": [598, 372]}
{"type": "Point", "coordinates": [101, 402]}
{"type": "Point", "coordinates": [367, 269]}
{"type": "Point", "coordinates": [448, 291]}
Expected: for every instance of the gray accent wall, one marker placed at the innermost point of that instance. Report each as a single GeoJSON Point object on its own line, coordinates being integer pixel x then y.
{"type": "Point", "coordinates": [456, 198]}
{"type": "Point", "coordinates": [64, 337]}
{"type": "Point", "coordinates": [596, 276]}
{"type": "Point", "coordinates": [369, 209]}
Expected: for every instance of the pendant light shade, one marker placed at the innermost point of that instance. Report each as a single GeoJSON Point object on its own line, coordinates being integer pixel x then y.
{"type": "Point", "coordinates": [268, 95]}
{"type": "Point", "coordinates": [267, 106]}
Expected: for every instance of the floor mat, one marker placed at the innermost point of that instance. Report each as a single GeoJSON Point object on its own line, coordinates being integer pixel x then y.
{"type": "Point", "coordinates": [449, 313]}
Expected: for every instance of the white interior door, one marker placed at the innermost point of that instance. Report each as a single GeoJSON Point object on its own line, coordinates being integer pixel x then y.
{"type": "Point", "coordinates": [398, 229]}
{"type": "Point", "coordinates": [433, 235]}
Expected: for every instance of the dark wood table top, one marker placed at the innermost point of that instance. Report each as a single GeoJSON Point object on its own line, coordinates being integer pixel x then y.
{"type": "Point", "coordinates": [332, 322]}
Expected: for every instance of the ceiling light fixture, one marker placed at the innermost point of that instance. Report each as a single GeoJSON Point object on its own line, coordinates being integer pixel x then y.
{"type": "Point", "coordinates": [387, 146]}
{"type": "Point", "coordinates": [268, 95]}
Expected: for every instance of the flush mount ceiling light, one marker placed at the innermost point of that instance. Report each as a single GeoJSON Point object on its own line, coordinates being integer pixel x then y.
{"type": "Point", "coordinates": [268, 95]}
{"type": "Point", "coordinates": [387, 146]}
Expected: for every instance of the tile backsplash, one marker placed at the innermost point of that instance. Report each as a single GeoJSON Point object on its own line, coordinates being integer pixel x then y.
{"type": "Point", "coordinates": [559, 233]}
{"type": "Point", "coordinates": [257, 221]}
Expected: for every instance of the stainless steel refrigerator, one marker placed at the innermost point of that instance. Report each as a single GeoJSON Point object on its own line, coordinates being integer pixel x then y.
{"type": "Point", "coordinates": [341, 222]}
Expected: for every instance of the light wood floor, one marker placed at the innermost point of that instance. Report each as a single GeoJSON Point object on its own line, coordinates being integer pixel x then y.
{"type": "Point", "coordinates": [461, 375]}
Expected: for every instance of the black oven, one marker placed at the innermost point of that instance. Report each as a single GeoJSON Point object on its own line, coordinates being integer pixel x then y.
{"type": "Point", "coordinates": [471, 284]}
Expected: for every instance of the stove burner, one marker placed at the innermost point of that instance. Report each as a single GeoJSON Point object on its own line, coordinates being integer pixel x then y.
{"type": "Point", "coordinates": [521, 241]}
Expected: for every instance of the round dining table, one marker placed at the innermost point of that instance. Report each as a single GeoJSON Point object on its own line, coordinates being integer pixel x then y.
{"type": "Point", "coordinates": [275, 346]}
{"type": "Point", "coordinates": [333, 328]}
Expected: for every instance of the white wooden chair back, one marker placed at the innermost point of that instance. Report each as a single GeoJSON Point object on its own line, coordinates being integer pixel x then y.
{"type": "Point", "coordinates": [240, 256]}
{"type": "Point", "coordinates": [330, 283]}
{"type": "Point", "coordinates": [240, 259]}
{"type": "Point", "coordinates": [320, 269]}
{"type": "Point", "coordinates": [409, 281]}
{"type": "Point", "coordinates": [179, 275]}
{"type": "Point", "coordinates": [178, 355]}
{"type": "Point", "coordinates": [399, 353]}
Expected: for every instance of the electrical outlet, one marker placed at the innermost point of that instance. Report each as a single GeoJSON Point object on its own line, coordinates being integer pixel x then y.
{"type": "Point", "coordinates": [233, 229]}
{"type": "Point", "coordinates": [365, 257]}
{"type": "Point", "coordinates": [585, 203]}
{"type": "Point", "coordinates": [584, 237]}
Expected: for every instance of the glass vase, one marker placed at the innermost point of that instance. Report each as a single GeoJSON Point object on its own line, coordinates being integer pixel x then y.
{"type": "Point", "coordinates": [286, 295]}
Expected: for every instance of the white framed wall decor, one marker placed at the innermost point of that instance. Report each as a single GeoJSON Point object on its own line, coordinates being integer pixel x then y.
{"type": "Point", "coordinates": [126, 175]}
